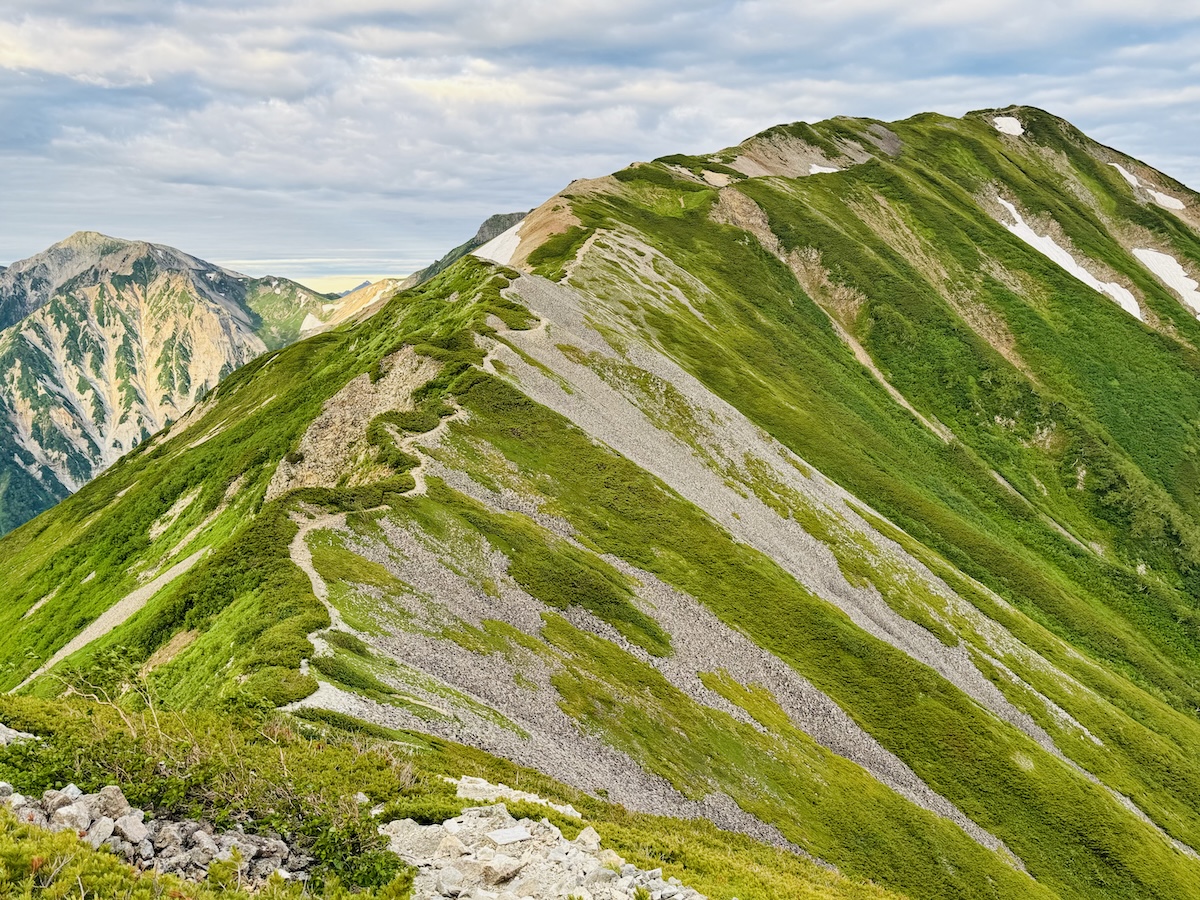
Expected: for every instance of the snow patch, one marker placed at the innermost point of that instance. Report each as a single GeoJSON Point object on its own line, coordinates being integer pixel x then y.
{"type": "Point", "coordinates": [1047, 246]}
{"type": "Point", "coordinates": [814, 169]}
{"type": "Point", "coordinates": [1172, 274]}
{"type": "Point", "coordinates": [1166, 200]}
{"type": "Point", "coordinates": [310, 323]}
{"type": "Point", "coordinates": [1126, 174]}
{"type": "Point", "coordinates": [1008, 125]}
{"type": "Point", "coordinates": [501, 248]}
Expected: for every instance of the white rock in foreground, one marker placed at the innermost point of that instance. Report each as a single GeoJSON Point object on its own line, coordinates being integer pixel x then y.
{"type": "Point", "coordinates": [460, 858]}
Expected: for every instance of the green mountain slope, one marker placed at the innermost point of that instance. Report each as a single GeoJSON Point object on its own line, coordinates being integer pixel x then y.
{"type": "Point", "coordinates": [850, 510]}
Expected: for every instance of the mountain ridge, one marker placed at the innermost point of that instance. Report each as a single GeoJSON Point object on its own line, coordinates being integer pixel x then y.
{"type": "Point", "coordinates": [848, 504]}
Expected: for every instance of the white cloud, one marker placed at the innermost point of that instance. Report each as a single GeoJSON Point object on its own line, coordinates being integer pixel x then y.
{"type": "Point", "coordinates": [281, 129]}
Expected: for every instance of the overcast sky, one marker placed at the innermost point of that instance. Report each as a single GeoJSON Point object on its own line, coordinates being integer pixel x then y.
{"type": "Point", "coordinates": [306, 137]}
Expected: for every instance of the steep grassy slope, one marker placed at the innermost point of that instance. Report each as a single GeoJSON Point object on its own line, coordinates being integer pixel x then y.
{"type": "Point", "coordinates": [822, 505]}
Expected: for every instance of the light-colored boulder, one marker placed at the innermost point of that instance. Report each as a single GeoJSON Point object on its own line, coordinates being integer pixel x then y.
{"type": "Point", "coordinates": [450, 882]}
{"type": "Point", "coordinates": [452, 847]}
{"type": "Point", "coordinates": [12, 736]}
{"type": "Point", "coordinates": [100, 832]}
{"type": "Point", "coordinates": [74, 816]}
{"type": "Point", "coordinates": [502, 837]}
{"type": "Point", "coordinates": [588, 840]}
{"type": "Point", "coordinates": [501, 868]}
{"type": "Point", "coordinates": [53, 800]}
{"type": "Point", "coordinates": [201, 840]}
{"type": "Point", "coordinates": [131, 828]}
{"type": "Point", "coordinates": [111, 802]}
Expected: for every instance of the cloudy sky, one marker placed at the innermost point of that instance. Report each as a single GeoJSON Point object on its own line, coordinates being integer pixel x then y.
{"type": "Point", "coordinates": [310, 138]}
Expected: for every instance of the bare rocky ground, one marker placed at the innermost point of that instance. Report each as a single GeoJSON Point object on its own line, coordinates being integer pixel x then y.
{"type": "Point", "coordinates": [182, 847]}
{"type": "Point", "coordinates": [486, 854]}
{"type": "Point", "coordinates": [702, 469]}
{"type": "Point", "coordinates": [505, 702]}
{"type": "Point", "coordinates": [482, 854]}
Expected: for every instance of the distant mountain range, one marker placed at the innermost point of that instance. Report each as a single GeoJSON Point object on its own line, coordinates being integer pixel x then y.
{"type": "Point", "coordinates": [104, 341]}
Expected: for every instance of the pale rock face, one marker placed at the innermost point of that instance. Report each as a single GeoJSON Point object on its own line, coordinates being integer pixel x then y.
{"type": "Point", "coordinates": [75, 817]}
{"type": "Point", "coordinates": [87, 381]}
{"type": "Point", "coordinates": [106, 342]}
{"type": "Point", "coordinates": [131, 827]}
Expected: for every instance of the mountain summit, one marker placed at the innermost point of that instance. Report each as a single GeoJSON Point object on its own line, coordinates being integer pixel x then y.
{"type": "Point", "coordinates": [837, 490]}
{"type": "Point", "coordinates": [105, 341]}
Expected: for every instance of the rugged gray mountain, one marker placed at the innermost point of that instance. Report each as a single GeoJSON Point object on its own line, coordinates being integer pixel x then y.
{"type": "Point", "coordinates": [105, 341]}
{"type": "Point", "coordinates": [493, 226]}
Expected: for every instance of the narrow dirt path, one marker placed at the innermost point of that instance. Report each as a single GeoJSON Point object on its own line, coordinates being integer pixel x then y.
{"type": "Point", "coordinates": [301, 555]}
{"type": "Point", "coordinates": [409, 445]}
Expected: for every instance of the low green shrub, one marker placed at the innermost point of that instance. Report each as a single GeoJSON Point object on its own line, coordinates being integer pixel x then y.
{"type": "Point", "coordinates": [344, 640]}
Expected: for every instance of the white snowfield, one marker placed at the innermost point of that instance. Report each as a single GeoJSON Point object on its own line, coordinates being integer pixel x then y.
{"type": "Point", "coordinates": [310, 323]}
{"type": "Point", "coordinates": [1166, 201]}
{"type": "Point", "coordinates": [1047, 246]}
{"type": "Point", "coordinates": [502, 247]}
{"type": "Point", "coordinates": [1008, 125]}
{"type": "Point", "coordinates": [1126, 174]}
{"type": "Point", "coordinates": [1171, 273]}
{"type": "Point", "coordinates": [814, 169]}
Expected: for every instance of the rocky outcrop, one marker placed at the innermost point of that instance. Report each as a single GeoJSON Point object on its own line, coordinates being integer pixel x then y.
{"type": "Point", "coordinates": [482, 854]}
{"type": "Point", "coordinates": [336, 444]}
{"type": "Point", "coordinates": [486, 854]}
{"type": "Point", "coordinates": [492, 227]}
{"type": "Point", "coordinates": [182, 847]}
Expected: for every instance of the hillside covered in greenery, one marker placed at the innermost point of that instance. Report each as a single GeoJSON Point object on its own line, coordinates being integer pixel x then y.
{"type": "Point", "coordinates": [831, 497]}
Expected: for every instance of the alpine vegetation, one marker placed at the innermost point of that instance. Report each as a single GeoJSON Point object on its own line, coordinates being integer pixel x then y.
{"type": "Point", "coordinates": [811, 518]}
